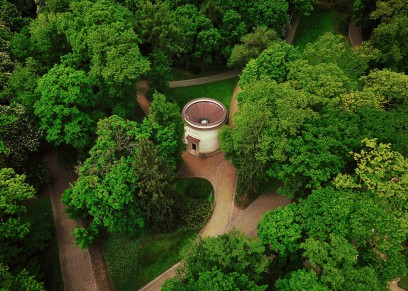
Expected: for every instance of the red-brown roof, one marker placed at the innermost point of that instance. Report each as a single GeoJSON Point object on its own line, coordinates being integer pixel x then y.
{"type": "Point", "coordinates": [204, 113]}
{"type": "Point", "coordinates": [192, 139]}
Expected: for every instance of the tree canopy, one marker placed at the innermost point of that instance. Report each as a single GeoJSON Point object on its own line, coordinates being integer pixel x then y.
{"type": "Point", "coordinates": [232, 257]}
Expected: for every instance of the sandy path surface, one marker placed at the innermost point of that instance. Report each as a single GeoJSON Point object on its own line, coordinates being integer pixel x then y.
{"type": "Point", "coordinates": [290, 33]}
{"type": "Point", "coordinates": [76, 267]}
{"type": "Point", "coordinates": [221, 174]}
{"type": "Point", "coordinates": [142, 89]}
{"type": "Point", "coordinates": [248, 220]}
{"type": "Point", "coordinates": [355, 35]}
{"type": "Point", "coordinates": [204, 80]}
{"type": "Point", "coordinates": [233, 105]}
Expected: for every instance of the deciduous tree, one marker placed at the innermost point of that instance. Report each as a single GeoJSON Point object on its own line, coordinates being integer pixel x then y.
{"type": "Point", "coordinates": [66, 107]}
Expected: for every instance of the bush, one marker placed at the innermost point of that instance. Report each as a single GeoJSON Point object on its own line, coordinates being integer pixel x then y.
{"type": "Point", "coordinates": [196, 202]}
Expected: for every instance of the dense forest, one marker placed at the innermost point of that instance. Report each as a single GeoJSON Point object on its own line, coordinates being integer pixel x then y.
{"type": "Point", "coordinates": [325, 124]}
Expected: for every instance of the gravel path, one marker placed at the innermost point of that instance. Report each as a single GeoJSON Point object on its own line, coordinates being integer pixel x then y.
{"type": "Point", "coordinates": [76, 267]}
{"type": "Point", "coordinates": [290, 33]}
{"type": "Point", "coordinates": [221, 174]}
{"type": "Point", "coordinates": [204, 80]}
{"type": "Point", "coordinates": [142, 89]}
{"type": "Point", "coordinates": [248, 220]}
{"type": "Point", "coordinates": [355, 35]}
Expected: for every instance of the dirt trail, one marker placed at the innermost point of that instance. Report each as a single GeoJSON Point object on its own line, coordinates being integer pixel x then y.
{"type": "Point", "coordinates": [204, 80]}
{"type": "Point", "coordinates": [76, 267]}
{"type": "Point", "coordinates": [355, 34]}
{"type": "Point", "coordinates": [221, 174]}
{"type": "Point", "coordinates": [142, 88]}
{"type": "Point", "coordinates": [248, 220]}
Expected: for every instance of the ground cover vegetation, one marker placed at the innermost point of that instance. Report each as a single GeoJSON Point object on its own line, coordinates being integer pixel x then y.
{"type": "Point", "coordinates": [68, 72]}
{"type": "Point", "coordinates": [221, 90]}
{"type": "Point", "coordinates": [133, 262]}
{"type": "Point", "coordinates": [320, 21]}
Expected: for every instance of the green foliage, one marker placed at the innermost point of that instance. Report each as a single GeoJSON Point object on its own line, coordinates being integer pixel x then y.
{"type": "Point", "coordinates": [14, 191]}
{"type": "Point", "coordinates": [109, 176]}
{"type": "Point", "coordinates": [318, 153]}
{"type": "Point", "coordinates": [373, 121]}
{"type": "Point", "coordinates": [382, 172]}
{"type": "Point", "coordinates": [216, 280]}
{"type": "Point", "coordinates": [226, 254]}
{"type": "Point", "coordinates": [133, 263]}
{"type": "Point", "coordinates": [128, 179]}
{"type": "Point", "coordinates": [231, 29]}
{"type": "Point", "coordinates": [160, 72]}
{"type": "Point", "coordinates": [390, 87]}
{"type": "Point", "coordinates": [272, 63]}
{"type": "Point", "coordinates": [47, 42]}
{"type": "Point", "coordinates": [273, 14]}
{"type": "Point", "coordinates": [10, 16]}
{"type": "Point", "coordinates": [253, 44]}
{"type": "Point", "coordinates": [320, 21]}
{"type": "Point", "coordinates": [362, 10]}
{"type": "Point", "coordinates": [23, 82]}
{"type": "Point", "coordinates": [66, 107]}
{"type": "Point", "coordinates": [280, 230]}
{"type": "Point", "coordinates": [102, 38]}
{"type": "Point", "coordinates": [331, 48]}
{"type": "Point", "coordinates": [157, 25]}
{"type": "Point", "coordinates": [22, 281]}
{"type": "Point", "coordinates": [167, 128]}
{"type": "Point", "coordinates": [195, 202]}
{"type": "Point", "coordinates": [304, 6]}
{"type": "Point", "coordinates": [325, 82]}
{"type": "Point", "coordinates": [300, 280]}
{"type": "Point", "coordinates": [269, 116]}
{"type": "Point", "coordinates": [155, 181]}
{"type": "Point", "coordinates": [19, 139]}
{"type": "Point", "coordinates": [391, 34]}
{"type": "Point", "coordinates": [85, 237]}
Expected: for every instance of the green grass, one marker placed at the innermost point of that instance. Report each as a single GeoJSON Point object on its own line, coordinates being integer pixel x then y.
{"type": "Point", "coordinates": [133, 263]}
{"type": "Point", "coordinates": [403, 283]}
{"type": "Point", "coordinates": [320, 21]}
{"type": "Point", "coordinates": [37, 209]}
{"type": "Point", "coordinates": [222, 91]}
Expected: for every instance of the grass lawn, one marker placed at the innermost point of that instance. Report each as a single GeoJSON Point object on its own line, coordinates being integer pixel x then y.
{"type": "Point", "coordinates": [37, 209]}
{"type": "Point", "coordinates": [320, 21]}
{"type": "Point", "coordinates": [133, 263]}
{"type": "Point", "coordinates": [222, 91]}
{"type": "Point", "coordinates": [403, 283]}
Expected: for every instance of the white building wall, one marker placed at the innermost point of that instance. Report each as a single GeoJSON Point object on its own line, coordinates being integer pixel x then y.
{"type": "Point", "coordinates": [208, 139]}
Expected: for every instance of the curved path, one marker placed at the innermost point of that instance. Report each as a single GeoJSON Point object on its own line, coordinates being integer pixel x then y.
{"type": "Point", "coordinates": [355, 34]}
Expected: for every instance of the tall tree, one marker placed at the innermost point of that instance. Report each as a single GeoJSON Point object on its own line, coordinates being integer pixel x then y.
{"type": "Point", "coordinates": [66, 107]}
{"type": "Point", "coordinates": [382, 172]}
{"type": "Point", "coordinates": [272, 62]}
{"type": "Point", "coordinates": [331, 48]}
{"type": "Point", "coordinates": [253, 44]}
{"type": "Point", "coordinates": [104, 43]}
{"type": "Point", "coordinates": [391, 34]}
{"type": "Point", "coordinates": [270, 114]}
{"type": "Point", "coordinates": [157, 25]}
{"type": "Point", "coordinates": [232, 254]}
